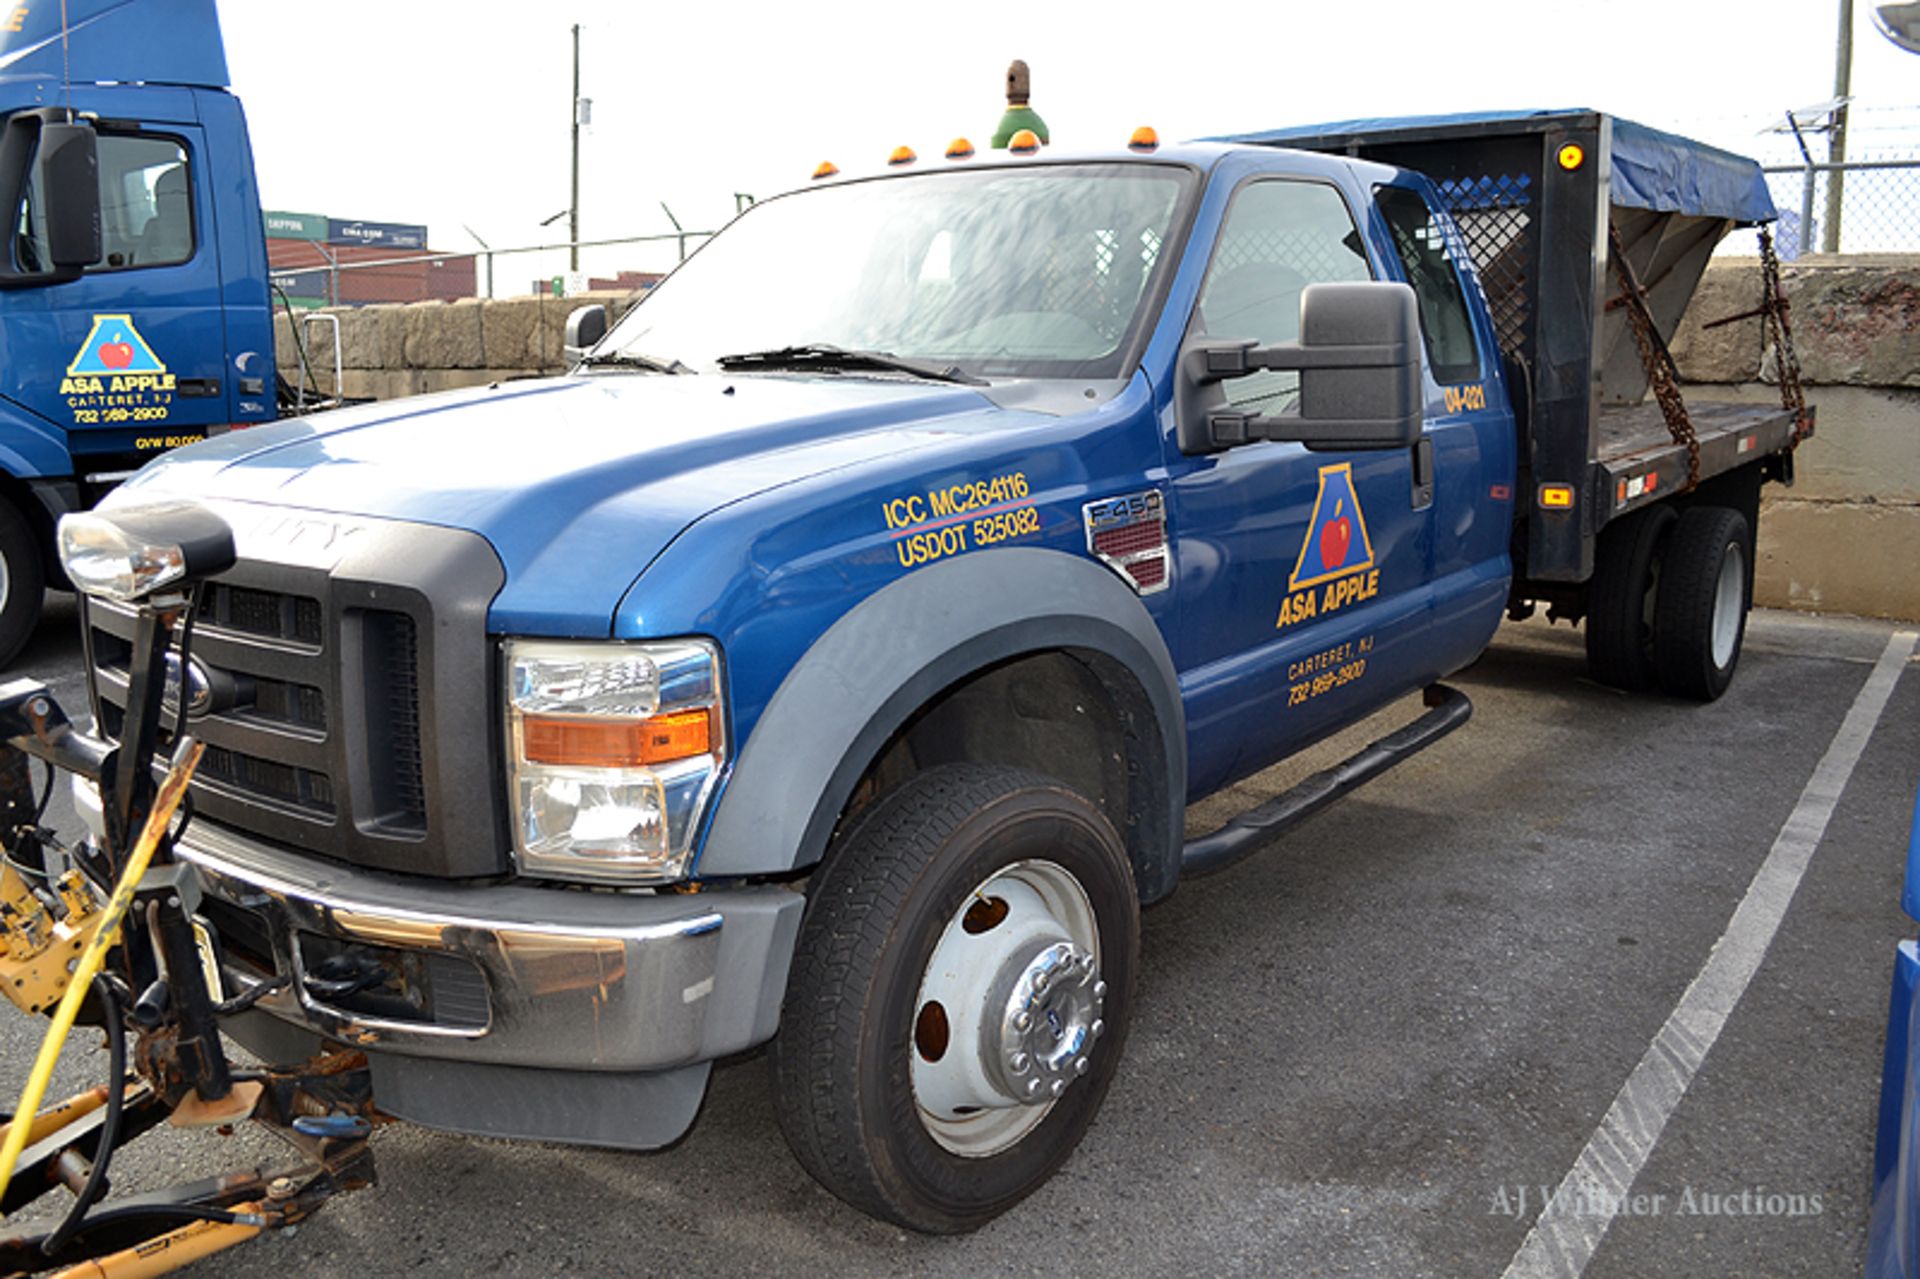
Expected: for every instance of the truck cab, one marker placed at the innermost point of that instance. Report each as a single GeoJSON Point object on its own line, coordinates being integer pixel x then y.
{"type": "Point", "coordinates": [829, 659]}
{"type": "Point", "coordinates": [161, 331]}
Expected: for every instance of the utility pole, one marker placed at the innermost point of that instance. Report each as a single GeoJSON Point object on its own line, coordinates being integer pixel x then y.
{"type": "Point", "coordinates": [573, 209]}
{"type": "Point", "coordinates": [1837, 138]}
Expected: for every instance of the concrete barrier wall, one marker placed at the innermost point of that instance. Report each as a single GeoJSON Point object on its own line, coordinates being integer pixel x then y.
{"type": "Point", "coordinates": [408, 349]}
{"type": "Point", "coordinates": [1844, 539]}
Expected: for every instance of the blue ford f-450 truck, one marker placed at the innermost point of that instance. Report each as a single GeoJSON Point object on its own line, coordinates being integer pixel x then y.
{"type": "Point", "coordinates": [134, 312]}
{"type": "Point", "coordinates": [827, 662]}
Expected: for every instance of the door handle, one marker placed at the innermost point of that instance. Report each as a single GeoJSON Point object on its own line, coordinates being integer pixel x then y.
{"type": "Point", "coordinates": [198, 388]}
{"type": "Point", "coordinates": [1423, 474]}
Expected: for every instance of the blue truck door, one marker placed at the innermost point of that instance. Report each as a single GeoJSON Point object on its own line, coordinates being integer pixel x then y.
{"type": "Point", "coordinates": [128, 359]}
{"type": "Point", "coordinates": [1300, 573]}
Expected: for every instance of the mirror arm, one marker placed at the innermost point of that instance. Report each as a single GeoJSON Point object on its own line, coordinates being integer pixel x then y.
{"type": "Point", "coordinates": [1241, 358]}
{"type": "Point", "coordinates": [1229, 428]}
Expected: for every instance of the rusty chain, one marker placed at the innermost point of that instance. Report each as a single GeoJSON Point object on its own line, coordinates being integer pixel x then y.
{"type": "Point", "coordinates": [1663, 376]}
{"type": "Point", "coordinates": [1779, 331]}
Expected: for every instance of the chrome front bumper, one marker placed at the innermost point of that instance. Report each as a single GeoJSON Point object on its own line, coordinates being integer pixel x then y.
{"type": "Point", "coordinates": [518, 975]}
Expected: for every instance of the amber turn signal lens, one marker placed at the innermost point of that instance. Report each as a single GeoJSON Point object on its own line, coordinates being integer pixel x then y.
{"type": "Point", "coordinates": [1556, 497]}
{"type": "Point", "coordinates": [616, 743]}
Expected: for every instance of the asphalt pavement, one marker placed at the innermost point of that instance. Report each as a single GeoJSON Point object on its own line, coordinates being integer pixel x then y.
{"type": "Point", "coordinates": [1369, 1050]}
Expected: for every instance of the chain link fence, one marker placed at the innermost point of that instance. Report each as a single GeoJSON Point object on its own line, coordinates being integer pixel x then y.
{"type": "Point", "coordinates": [1867, 206]}
{"type": "Point", "coordinates": [308, 275]}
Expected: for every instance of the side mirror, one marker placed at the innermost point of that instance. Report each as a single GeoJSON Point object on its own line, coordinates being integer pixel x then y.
{"type": "Point", "coordinates": [585, 327]}
{"type": "Point", "coordinates": [57, 159]}
{"type": "Point", "coordinates": [70, 183]}
{"type": "Point", "coordinates": [1359, 363]}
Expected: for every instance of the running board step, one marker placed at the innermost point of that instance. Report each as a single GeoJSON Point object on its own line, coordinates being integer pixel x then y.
{"type": "Point", "coordinates": [1253, 829]}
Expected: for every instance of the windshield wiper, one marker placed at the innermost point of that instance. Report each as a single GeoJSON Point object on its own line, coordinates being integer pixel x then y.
{"type": "Point", "coordinates": [630, 360]}
{"type": "Point", "coordinates": [827, 357]}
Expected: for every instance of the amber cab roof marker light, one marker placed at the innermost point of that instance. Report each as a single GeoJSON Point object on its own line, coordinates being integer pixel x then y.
{"type": "Point", "coordinates": [826, 170]}
{"type": "Point", "coordinates": [902, 155]}
{"type": "Point", "coordinates": [1025, 142]}
{"type": "Point", "coordinates": [959, 149]}
{"type": "Point", "coordinates": [1144, 139]}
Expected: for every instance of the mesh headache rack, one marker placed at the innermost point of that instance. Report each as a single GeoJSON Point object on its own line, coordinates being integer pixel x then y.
{"type": "Point", "coordinates": [1538, 197]}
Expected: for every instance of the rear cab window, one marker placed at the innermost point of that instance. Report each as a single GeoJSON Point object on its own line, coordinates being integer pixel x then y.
{"type": "Point", "coordinates": [1425, 245]}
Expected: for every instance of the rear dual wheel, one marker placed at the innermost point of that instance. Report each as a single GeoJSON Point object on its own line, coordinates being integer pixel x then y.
{"type": "Point", "coordinates": [1667, 604]}
{"type": "Point", "coordinates": [959, 996]}
{"type": "Point", "coordinates": [1700, 620]}
{"type": "Point", "coordinates": [1621, 597]}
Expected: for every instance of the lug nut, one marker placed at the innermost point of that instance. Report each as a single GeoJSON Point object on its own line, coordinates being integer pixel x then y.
{"type": "Point", "coordinates": [1022, 1020]}
{"type": "Point", "coordinates": [1033, 1086]}
{"type": "Point", "coordinates": [1019, 1062]}
{"type": "Point", "coordinates": [1040, 980]}
{"type": "Point", "coordinates": [1080, 1067]}
{"type": "Point", "coordinates": [1099, 990]}
{"type": "Point", "coordinates": [1098, 1028]}
{"type": "Point", "coordinates": [1059, 1086]}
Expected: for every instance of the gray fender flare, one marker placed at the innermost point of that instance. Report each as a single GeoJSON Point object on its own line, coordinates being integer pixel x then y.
{"type": "Point", "coordinates": [900, 647]}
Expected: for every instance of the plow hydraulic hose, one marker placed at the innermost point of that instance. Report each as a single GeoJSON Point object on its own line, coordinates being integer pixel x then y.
{"type": "Point", "coordinates": [172, 787]}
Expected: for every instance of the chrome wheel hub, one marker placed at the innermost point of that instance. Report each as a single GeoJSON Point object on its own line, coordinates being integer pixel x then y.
{"type": "Point", "coordinates": [1048, 1024]}
{"type": "Point", "coordinates": [1009, 1009]}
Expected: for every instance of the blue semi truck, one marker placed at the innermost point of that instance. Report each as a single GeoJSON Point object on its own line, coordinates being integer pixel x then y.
{"type": "Point", "coordinates": [134, 310]}
{"type": "Point", "coordinates": [828, 660]}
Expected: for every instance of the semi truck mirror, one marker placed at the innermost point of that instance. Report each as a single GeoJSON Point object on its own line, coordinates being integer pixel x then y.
{"type": "Point", "coordinates": [70, 177]}
{"type": "Point", "coordinates": [50, 198]}
{"type": "Point", "coordinates": [1358, 358]}
{"type": "Point", "coordinates": [585, 327]}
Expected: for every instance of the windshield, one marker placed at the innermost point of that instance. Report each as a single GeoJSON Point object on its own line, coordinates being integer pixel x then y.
{"type": "Point", "coordinates": [1029, 272]}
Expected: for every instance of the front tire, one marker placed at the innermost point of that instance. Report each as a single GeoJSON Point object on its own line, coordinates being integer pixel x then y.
{"type": "Point", "coordinates": [22, 583]}
{"type": "Point", "coordinates": [1700, 619]}
{"type": "Point", "coordinates": [959, 997]}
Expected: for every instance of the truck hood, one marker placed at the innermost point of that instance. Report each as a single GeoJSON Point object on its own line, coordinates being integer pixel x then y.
{"type": "Point", "coordinates": [577, 482]}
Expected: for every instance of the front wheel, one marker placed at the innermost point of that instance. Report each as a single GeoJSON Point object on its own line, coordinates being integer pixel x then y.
{"type": "Point", "coordinates": [959, 996]}
{"type": "Point", "coordinates": [22, 582]}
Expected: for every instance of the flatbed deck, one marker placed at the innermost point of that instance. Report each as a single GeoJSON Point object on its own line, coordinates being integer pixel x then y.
{"type": "Point", "coordinates": [1642, 462]}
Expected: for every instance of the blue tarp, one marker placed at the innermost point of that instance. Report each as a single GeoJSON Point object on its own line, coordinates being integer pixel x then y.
{"type": "Point", "coordinates": [1652, 170]}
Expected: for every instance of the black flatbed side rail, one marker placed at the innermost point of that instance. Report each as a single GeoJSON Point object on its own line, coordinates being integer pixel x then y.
{"type": "Point", "coordinates": [1640, 463]}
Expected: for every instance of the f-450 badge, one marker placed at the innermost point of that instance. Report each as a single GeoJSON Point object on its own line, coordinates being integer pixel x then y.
{"type": "Point", "coordinates": [1336, 565]}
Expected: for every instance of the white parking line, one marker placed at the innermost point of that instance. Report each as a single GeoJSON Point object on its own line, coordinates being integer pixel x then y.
{"type": "Point", "coordinates": [1572, 1223]}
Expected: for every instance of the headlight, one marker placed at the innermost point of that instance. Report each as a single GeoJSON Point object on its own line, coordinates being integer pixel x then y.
{"type": "Point", "coordinates": [614, 750]}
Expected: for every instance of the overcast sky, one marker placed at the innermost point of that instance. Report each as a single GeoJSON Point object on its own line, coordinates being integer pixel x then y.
{"type": "Point", "coordinates": [457, 113]}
